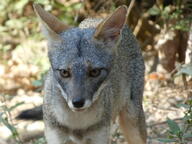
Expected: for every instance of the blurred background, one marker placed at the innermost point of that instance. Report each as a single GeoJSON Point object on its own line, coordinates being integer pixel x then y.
{"type": "Point", "coordinates": [163, 29]}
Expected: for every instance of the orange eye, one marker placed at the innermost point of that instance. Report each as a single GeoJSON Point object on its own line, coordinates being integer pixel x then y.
{"type": "Point", "coordinates": [65, 73]}
{"type": "Point", "coordinates": [94, 72]}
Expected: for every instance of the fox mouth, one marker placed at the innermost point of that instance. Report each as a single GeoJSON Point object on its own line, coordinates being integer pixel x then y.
{"type": "Point", "coordinates": [79, 109]}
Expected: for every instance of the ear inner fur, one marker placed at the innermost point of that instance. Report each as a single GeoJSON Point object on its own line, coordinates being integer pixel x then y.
{"type": "Point", "coordinates": [112, 25]}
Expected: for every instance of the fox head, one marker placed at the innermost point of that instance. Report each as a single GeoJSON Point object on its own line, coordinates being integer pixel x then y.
{"type": "Point", "coordinates": [81, 59]}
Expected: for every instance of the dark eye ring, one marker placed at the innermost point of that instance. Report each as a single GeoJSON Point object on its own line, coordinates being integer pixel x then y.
{"type": "Point", "coordinates": [94, 72]}
{"type": "Point", "coordinates": [65, 73]}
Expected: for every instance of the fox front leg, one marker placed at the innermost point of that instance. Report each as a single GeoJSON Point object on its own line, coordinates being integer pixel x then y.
{"type": "Point", "coordinates": [101, 136]}
{"type": "Point", "coordinates": [55, 136]}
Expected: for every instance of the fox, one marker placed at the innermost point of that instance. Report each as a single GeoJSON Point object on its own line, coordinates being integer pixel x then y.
{"type": "Point", "coordinates": [96, 76]}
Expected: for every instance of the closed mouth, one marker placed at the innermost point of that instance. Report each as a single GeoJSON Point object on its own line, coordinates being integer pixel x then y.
{"type": "Point", "coordinates": [79, 109]}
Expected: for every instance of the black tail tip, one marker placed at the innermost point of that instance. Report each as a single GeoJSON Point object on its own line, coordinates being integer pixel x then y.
{"type": "Point", "coordinates": [31, 114]}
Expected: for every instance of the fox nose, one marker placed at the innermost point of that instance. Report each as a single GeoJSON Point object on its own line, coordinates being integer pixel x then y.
{"type": "Point", "coordinates": [78, 102]}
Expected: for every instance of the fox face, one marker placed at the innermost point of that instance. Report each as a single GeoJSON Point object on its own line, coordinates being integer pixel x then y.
{"type": "Point", "coordinates": [80, 67]}
{"type": "Point", "coordinates": [81, 59]}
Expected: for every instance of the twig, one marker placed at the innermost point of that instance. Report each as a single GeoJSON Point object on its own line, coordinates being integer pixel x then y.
{"type": "Point", "coordinates": [184, 81]}
{"type": "Point", "coordinates": [132, 3]}
{"type": "Point", "coordinates": [139, 24]}
{"type": "Point", "coordinates": [163, 122]}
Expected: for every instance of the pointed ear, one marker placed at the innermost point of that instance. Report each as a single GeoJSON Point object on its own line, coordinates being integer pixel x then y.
{"type": "Point", "coordinates": [51, 26]}
{"type": "Point", "coordinates": [110, 28]}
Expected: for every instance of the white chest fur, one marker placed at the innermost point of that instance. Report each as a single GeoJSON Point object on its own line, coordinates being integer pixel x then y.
{"type": "Point", "coordinates": [78, 120]}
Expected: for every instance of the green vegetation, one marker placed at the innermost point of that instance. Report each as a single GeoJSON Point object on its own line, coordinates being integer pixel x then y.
{"type": "Point", "coordinates": [180, 134]}
{"type": "Point", "coordinates": [6, 119]}
{"type": "Point", "coordinates": [173, 16]}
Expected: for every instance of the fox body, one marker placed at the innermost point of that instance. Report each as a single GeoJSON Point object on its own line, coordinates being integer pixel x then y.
{"type": "Point", "coordinates": [96, 74]}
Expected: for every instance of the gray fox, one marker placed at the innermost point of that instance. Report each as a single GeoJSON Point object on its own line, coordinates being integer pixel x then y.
{"type": "Point", "coordinates": [96, 75]}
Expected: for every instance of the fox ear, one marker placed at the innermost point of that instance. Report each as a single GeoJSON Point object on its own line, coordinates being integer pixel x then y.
{"type": "Point", "coordinates": [110, 28]}
{"type": "Point", "coordinates": [51, 26]}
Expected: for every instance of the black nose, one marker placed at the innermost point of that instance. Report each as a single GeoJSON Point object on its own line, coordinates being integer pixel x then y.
{"type": "Point", "coordinates": [78, 102]}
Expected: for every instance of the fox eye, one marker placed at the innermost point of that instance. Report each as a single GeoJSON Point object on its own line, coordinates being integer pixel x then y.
{"type": "Point", "coordinates": [94, 72]}
{"type": "Point", "coordinates": [65, 73]}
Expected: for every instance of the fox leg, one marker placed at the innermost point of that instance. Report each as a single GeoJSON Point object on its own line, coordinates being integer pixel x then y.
{"type": "Point", "coordinates": [132, 124]}
{"type": "Point", "coordinates": [101, 136]}
{"type": "Point", "coordinates": [55, 136]}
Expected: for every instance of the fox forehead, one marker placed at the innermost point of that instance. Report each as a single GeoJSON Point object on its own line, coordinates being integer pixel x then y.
{"type": "Point", "coordinates": [78, 46]}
